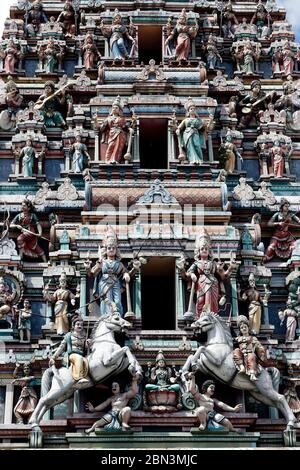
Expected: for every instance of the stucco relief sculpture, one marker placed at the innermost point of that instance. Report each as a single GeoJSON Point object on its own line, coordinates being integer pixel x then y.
{"type": "Point", "coordinates": [253, 298]}
{"type": "Point", "coordinates": [35, 18]}
{"type": "Point", "coordinates": [229, 153]}
{"type": "Point", "coordinates": [229, 21]}
{"type": "Point", "coordinates": [80, 157]}
{"type": "Point", "coordinates": [67, 19]}
{"type": "Point", "coordinates": [12, 100]}
{"type": "Point", "coordinates": [90, 53]}
{"type": "Point", "coordinates": [11, 54]}
{"type": "Point", "coordinates": [7, 298]}
{"type": "Point", "coordinates": [121, 42]}
{"type": "Point", "coordinates": [291, 314]}
{"type": "Point", "coordinates": [24, 321]}
{"type": "Point", "coordinates": [181, 37]}
{"type": "Point", "coordinates": [250, 106]}
{"type": "Point", "coordinates": [50, 104]}
{"type": "Point", "coordinates": [27, 401]}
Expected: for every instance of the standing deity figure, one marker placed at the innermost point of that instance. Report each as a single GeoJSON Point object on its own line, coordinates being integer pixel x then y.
{"type": "Point", "coordinates": [252, 295]}
{"type": "Point", "coordinates": [28, 222]}
{"type": "Point", "coordinates": [13, 100]}
{"type": "Point", "coordinates": [291, 315]}
{"type": "Point", "coordinates": [213, 57]}
{"type": "Point", "coordinates": [27, 401]}
{"type": "Point", "coordinates": [120, 413]}
{"type": "Point", "coordinates": [191, 135]}
{"type": "Point", "coordinates": [229, 21]}
{"type": "Point", "coordinates": [75, 345]}
{"type": "Point", "coordinates": [115, 131]}
{"type": "Point", "coordinates": [251, 105]}
{"type": "Point", "coordinates": [79, 155]}
{"type": "Point", "coordinates": [230, 153]}
{"type": "Point", "coordinates": [50, 105]}
{"type": "Point", "coordinates": [161, 377]}
{"type": "Point", "coordinates": [278, 156]}
{"type": "Point", "coordinates": [291, 396]}
{"type": "Point", "coordinates": [67, 19]}
{"type": "Point", "coordinates": [288, 59]}
{"type": "Point", "coordinates": [262, 19]}
{"type": "Point", "coordinates": [51, 54]}
{"type": "Point", "coordinates": [181, 36]}
{"type": "Point", "coordinates": [246, 57]}
{"type": "Point", "coordinates": [35, 18]}
{"type": "Point", "coordinates": [248, 352]}
{"type": "Point", "coordinates": [28, 156]}
{"type": "Point", "coordinates": [282, 241]}
{"type": "Point", "coordinates": [61, 299]}
{"type": "Point", "coordinates": [11, 54]}
{"type": "Point", "coordinates": [208, 277]}
{"type": "Point", "coordinates": [205, 411]}
{"type": "Point", "coordinates": [120, 41]}
{"type": "Point", "coordinates": [7, 297]}
{"type": "Point", "coordinates": [90, 52]}
{"type": "Point", "coordinates": [110, 275]}
{"type": "Point", "coordinates": [24, 321]}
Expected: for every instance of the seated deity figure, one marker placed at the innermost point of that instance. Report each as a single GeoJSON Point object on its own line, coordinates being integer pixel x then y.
{"type": "Point", "coordinates": [229, 21]}
{"type": "Point", "coordinates": [120, 41]}
{"type": "Point", "coordinates": [254, 102]}
{"type": "Point", "coordinates": [67, 19]}
{"type": "Point", "coordinates": [248, 352]}
{"type": "Point", "coordinates": [119, 416]}
{"type": "Point", "coordinates": [13, 100]}
{"type": "Point", "coordinates": [50, 106]}
{"type": "Point", "coordinates": [182, 35]}
{"type": "Point", "coordinates": [35, 18]}
{"type": "Point", "coordinates": [262, 19]}
{"type": "Point", "coordinates": [205, 411]}
{"type": "Point", "coordinates": [75, 344]}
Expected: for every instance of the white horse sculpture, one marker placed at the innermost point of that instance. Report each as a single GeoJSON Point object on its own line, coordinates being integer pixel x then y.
{"type": "Point", "coordinates": [105, 359]}
{"type": "Point", "coordinates": [216, 359]}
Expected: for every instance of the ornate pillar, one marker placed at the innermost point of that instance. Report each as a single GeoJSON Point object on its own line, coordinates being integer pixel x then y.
{"type": "Point", "coordinates": [9, 404]}
{"type": "Point", "coordinates": [97, 146]}
{"type": "Point", "coordinates": [136, 147]}
{"type": "Point", "coordinates": [234, 299]}
{"type": "Point", "coordinates": [179, 299]}
{"type": "Point", "coordinates": [210, 148]}
{"type": "Point", "coordinates": [83, 308]}
{"type": "Point", "coordinates": [137, 299]}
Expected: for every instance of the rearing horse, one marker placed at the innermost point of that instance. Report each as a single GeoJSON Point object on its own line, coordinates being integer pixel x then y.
{"type": "Point", "coordinates": [216, 359]}
{"type": "Point", "coordinates": [105, 359]}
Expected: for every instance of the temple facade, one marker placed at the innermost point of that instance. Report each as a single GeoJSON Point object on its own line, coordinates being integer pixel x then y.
{"type": "Point", "coordinates": [149, 201]}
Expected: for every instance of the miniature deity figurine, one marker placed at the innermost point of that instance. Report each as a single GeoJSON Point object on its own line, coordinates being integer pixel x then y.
{"type": "Point", "coordinates": [207, 276]}
{"type": "Point", "coordinates": [249, 351]}
{"type": "Point", "coordinates": [114, 131]}
{"type": "Point", "coordinates": [11, 54]}
{"type": "Point", "coordinates": [120, 41]}
{"type": "Point", "coordinates": [27, 221]}
{"type": "Point", "coordinates": [61, 298]}
{"type": "Point", "coordinates": [51, 54]}
{"type": "Point", "coordinates": [79, 154]}
{"type": "Point", "coordinates": [118, 417]}
{"type": "Point", "coordinates": [278, 156]}
{"type": "Point", "coordinates": [13, 101]}
{"type": "Point", "coordinates": [291, 315]}
{"type": "Point", "coordinates": [252, 104]}
{"type": "Point", "coordinates": [288, 59]}
{"type": "Point", "coordinates": [252, 295]}
{"type": "Point", "coordinates": [230, 152]}
{"type": "Point", "coordinates": [289, 102]}
{"type": "Point", "coordinates": [35, 17]}
{"type": "Point", "coordinates": [24, 323]}
{"type": "Point", "coordinates": [75, 344]}
{"type": "Point", "coordinates": [90, 53]}
{"type": "Point", "coordinates": [28, 155]}
{"type": "Point", "coordinates": [205, 412]}
{"type": "Point", "coordinates": [262, 19]}
{"type": "Point", "coordinates": [182, 35]}
{"type": "Point", "coordinates": [28, 398]}
{"type": "Point", "coordinates": [161, 377]}
{"type": "Point", "coordinates": [50, 104]}
{"type": "Point", "coordinates": [246, 57]}
{"type": "Point", "coordinates": [191, 135]}
{"type": "Point", "coordinates": [67, 19]}
{"type": "Point", "coordinates": [291, 396]}
{"type": "Point", "coordinates": [213, 57]}
{"type": "Point", "coordinates": [7, 296]}
{"type": "Point", "coordinates": [110, 275]}
{"type": "Point", "coordinates": [282, 241]}
{"type": "Point", "coordinates": [229, 21]}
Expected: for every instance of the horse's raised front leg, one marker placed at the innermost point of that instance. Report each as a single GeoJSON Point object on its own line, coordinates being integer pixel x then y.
{"type": "Point", "coordinates": [216, 360]}
{"type": "Point", "coordinates": [110, 358]}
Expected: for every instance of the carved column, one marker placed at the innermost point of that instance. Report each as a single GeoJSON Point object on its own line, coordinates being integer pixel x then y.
{"type": "Point", "coordinates": [234, 299]}
{"type": "Point", "coordinates": [9, 404]}
{"type": "Point", "coordinates": [180, 297]}
{"type": "Point", "coordinates": [97, 146]}
{"type": "Point", "coordinates": [137, 299]}
{"type": "Point", "coordinates": [210, 148]}
{"type": "Point", "coordinates": [136, 146]}
{"type": "Point", "coordinates": [83, 293]}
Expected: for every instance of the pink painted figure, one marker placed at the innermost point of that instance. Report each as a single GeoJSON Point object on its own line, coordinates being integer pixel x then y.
{"type": "Point", "coordinates": [11, 55]}
{"type": "Point", "coordinates": [114, 131]}
{"type": "Point", "coordinates": [67, 19]}
{"type": "Point", "coordinates": [182, 35]}
{"type": "Point", "coordinates": [288, 57]}
{"type": "Point", "coordinates": [90, 52]}
{"type": "Point", "coordinates": [277, 154]}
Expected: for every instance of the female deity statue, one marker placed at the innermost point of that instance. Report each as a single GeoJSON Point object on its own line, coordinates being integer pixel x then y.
{"type": "Point", "coordinates": [212, 57]}
{"type": "Point", "coordinates": [282, 241]}
{"type": "Point", "coordinates": [67, 19]}
{"type": "Point", "coordinates": [252, 295]}
{"type": "Point", "coordinates": [230, 152]}
{"type": "Point", "coordinates": [28, 155]}
{"type": "Point", "coordinates": [291, 396]}
{"type": "Point", "coordinates": [7, 297]}
{"type": "Point", "coordinates": [90, 53]}
{"type": "Point", "coordinates": [61, 298]}
{"type": "Point", "coordinates": [28, 399]}
{"type": "Point", "coordinates": [182, 35]}
{"type": "Point", "coordinates": [208, 276]}
{"type": "Point", "coordinates": [11, 54]}
{"type": "Point", "coordinates": [161, 377]}
{"type": "Point", "coordinates": [27, 221]}
{"type": "Point", "coordinates": [278, 156]}
{"type": "Point", "coordinates": [79, 154]}
{"type": "Point", "coordinates": [288, 59]}
{"type": "Point", "coordinates": [13, 101]}
{"type": "Point", "coordinates": [51, 54]}
{"type": "Point", "coordinates": [191, 135]}
{"type": "Point", "coordinates": [114, 131]}
{"type": "Point", "coordinates": [120, 41]}
{"type": "Point", "coordinates": [50, 106]}
{"type": "Point", "coordinates": [249, 351]}
{"type": "Point", "coordinates": [110, 275]}
{"type": "Point", "coordinates": [35, 17]}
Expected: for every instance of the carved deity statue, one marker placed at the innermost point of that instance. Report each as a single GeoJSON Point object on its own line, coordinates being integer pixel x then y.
{"type": "Point", "coordinates": [120, 413]}
{"type": "Point", "coordinates": [161, 377]}
{"type": "Point", "coordinates": [262, 19]}
{"type": "Point", "coordinates": [282, 241]}
{"type": "Point", "coordinates": [61, 298]}
{"type": "Point", "coordinates": [24, 321]}
{"type": "Point", "coordinates": [230, 153]}
{"type": "Point", "coordinates": [27, 401]}
{"type": "Point", "coordinates": [213, 57]}
{"type": "Point", "coordinates": [181, 37]}
{"type": "Point", "coordinates": [27, 222]}
{"type": "Point", "coordinates": [252, 296]}
{"type": "Point", "coordinates": [246, 56]}
{"type": "Point", "coordinates": [79, 155]}
{"type": "Point", "coordinates": [11, 54]}
{"type": "Point", "coordinates": [67, 19]}
{"type": "Point", "coordinates": [12, 99]}
{"type": "Point", "coordinates": [249, 351]}
{"type": "Point", "coordinates": [35, 18]}
{"type": "Point", "coordinates": [51, 54]}
{"type": "Point", "coordinates": [90, 52]}
{"type": "Point", "coordinates": [121, 41]}
{"type": "Point", "coordinates": [50, 104]}
{"type": "Point", "coordinates": [291, 396]}
{"type": "Point", "coordinates": [291, 314]}
{"type": "Point", "coordinates": [250, 106]}
{"type": "Point", "coordinates": [7, 296]}
{"type": "Point", "coordinates": [278, 157]}
{"type": "Point", "coordinates": [229, 21]}
{"type": "Point", "coordinates": [28, 156]}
